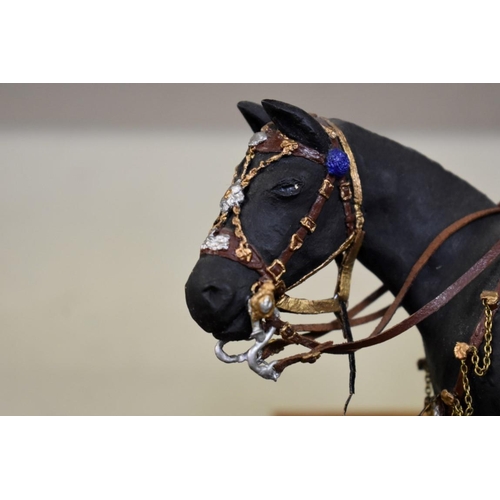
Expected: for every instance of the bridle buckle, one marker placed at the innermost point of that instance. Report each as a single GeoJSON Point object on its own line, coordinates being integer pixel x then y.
{"type": "Point", "coordinates": [276, 269]}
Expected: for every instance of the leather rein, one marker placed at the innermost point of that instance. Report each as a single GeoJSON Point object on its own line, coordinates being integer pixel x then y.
{"type": "Point", "coordinates": [380, 334]}
{"type": "Point", "coordinates": [268, 293]}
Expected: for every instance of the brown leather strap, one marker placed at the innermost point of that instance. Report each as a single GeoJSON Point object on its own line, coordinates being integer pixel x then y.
{"type": "Point", "coordinates": [255, 262]}
{"type": "Point", "coordinates": [413, 320]}
{"type": "Point", "coordinates": [322, 328]}
{"type": "Point", "coordinates": [425, 311]}
{"type": "Point", "coordinates": [478, 334]}
{"type": "Point", "coordinates": [390, 311]}
{"type": "Point", "coordinates": [428, 253]}
{"type": "Point", "coordinates": [346, 197]}
{"type": "Point", "coordinates": [273, 142]}
{"type": "Point", "coordinates": [309, 357]}
{"type": "Point", "coordinates": [354, 311]}
{"type": "Point", "coordinates": [312, 216]}
{"type": "Point", "coordinates": [381, 336]}
{"type": "Point", "coordinates": [316, 330]}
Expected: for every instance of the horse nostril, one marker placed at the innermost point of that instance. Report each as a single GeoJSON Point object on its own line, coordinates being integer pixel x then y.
{"type": "Point", "coordinates": [218, 296]}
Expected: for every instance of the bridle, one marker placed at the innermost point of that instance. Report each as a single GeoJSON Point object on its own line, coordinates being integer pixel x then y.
{"type": "Point", "coordinates": [269, 291]}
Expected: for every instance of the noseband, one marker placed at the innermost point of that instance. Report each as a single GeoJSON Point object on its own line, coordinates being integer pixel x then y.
{"type": "Point", "coordinates": [269, 291]}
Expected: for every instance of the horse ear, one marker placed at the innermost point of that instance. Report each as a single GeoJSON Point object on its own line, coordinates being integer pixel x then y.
{"type": "Point", "coordinates": [254, 114]}
{"type": "Point", "coordinates": [298, 125]}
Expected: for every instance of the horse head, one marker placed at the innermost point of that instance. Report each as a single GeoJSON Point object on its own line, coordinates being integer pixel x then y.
{"type": "Point", "coordinates": [278, 208]}
{"type": "Point", "coordinates": [295, 204]}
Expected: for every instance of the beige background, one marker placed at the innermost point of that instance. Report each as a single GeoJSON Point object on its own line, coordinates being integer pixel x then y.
{"type": "Point", "coordinates": [106, 192]}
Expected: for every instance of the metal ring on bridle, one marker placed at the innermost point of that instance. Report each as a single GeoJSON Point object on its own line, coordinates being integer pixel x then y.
{"type": "Point", "coordinates": [253, 355]}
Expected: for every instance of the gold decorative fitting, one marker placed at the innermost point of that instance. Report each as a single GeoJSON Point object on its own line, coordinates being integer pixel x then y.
{"type": "Point", "coordinates": [489, 298]}
{"type": "Point", "coordinates": [461, 350]}
{"type": "Point", "coordinates": [276, 269]}
{"type": "Point", "coordinates": [308, 223]}
{"type": "Point", "coordinates": [287, 332]}
{"type": "Point", "coordinates": [244, 254]}
{"type": "Point", "coordinates": [310, 357]}
{"type": "Point", "coordinates": [287, 145]}
{"type": "Point", "coordinates": [326, 189]}
{"type": "Point", "coordinates": [345, 192]}
{"type": "Point", "coordinates": [447, 397]}
{"type": "Point", "coordinates": [262, 303]}
{"type": "Point", "coordinates": [295, 242]}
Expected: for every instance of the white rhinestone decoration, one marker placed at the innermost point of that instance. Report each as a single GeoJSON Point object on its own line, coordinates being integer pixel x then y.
{"type": "Point", "coordinates": [219, 242]}
{"type": "Point", "coordinates": [233, 197]}
{"type": "Point", "coordinates": [257, 138]}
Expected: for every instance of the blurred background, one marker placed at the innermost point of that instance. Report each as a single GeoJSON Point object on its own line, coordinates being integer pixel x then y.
{"type": "Point", "coordinates": [106, 193]}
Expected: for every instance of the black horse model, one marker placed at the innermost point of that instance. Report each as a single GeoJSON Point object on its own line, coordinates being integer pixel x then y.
{"type": "Point", "coordinates": [310, 191]}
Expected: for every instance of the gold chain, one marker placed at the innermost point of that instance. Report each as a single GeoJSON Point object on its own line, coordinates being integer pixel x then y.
{"type": "Point", "coordinates": [457, 410]}
{"type": "Point", "coordinates": [489, 299]}
{"type": "Point", "coordinates": [467, 395]}
{"type": "Point", "coordinates": [219, 221]}
{"type": "Point", "coordinates": [288, 147]}
{"type": "Point", "coordinates": [488, 335]}
{"type": "Point", "coordinates": [428, 387]}
{"type": "Point", "coordinates": [243, 251]}
{"type": "Point", "coordinates": [248, 158]}
{"type": "Point", "coordinates": [428, 406]}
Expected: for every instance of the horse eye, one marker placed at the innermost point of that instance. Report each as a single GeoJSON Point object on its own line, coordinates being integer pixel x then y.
{"type": "Point", "coordinates": [287, 188]}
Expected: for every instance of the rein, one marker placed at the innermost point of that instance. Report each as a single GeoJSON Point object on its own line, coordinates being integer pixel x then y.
{"type": "Point", "coordinates": [268, 293]}
{"type": "Point", "coordinates": [380, 335]}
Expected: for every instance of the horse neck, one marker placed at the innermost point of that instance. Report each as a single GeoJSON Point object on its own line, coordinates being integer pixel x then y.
{"type": "Point", "coordinates": [408, 200]}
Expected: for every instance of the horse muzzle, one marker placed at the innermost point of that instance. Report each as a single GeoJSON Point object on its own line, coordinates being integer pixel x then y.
{"type": "Point", "coordinates": [217, 293]}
